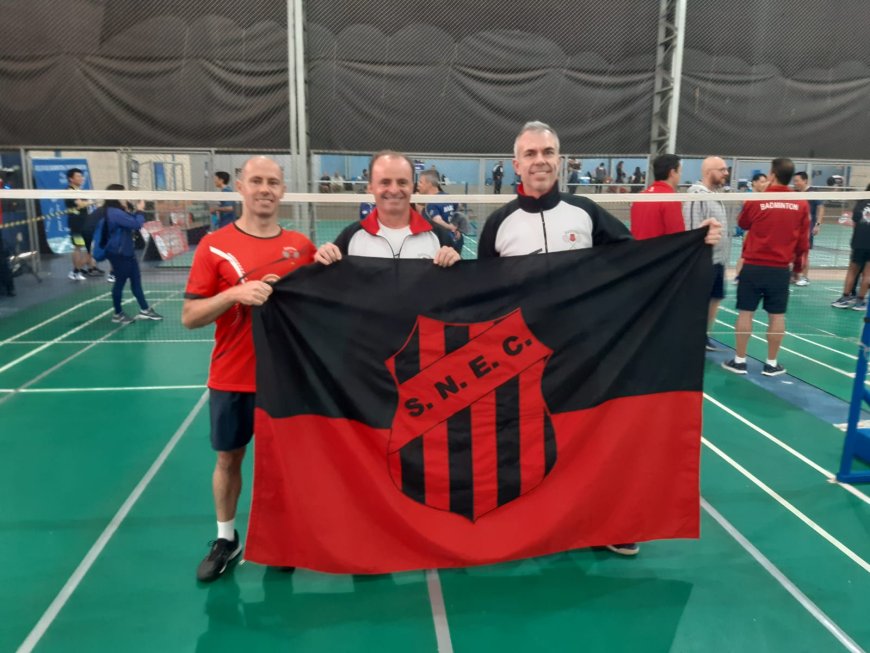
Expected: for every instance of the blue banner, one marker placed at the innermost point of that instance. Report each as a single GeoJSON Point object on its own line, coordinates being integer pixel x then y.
{"type": "Point", "coordinates": [159, 176]}
{"type": "Point", "coordinates": [50, 174]}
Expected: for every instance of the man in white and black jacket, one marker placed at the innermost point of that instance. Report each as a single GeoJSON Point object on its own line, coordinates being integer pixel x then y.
{"type": "Point", "coordinates": [393, 229]}
{"type": "Point", "coordinates": [541, 220]}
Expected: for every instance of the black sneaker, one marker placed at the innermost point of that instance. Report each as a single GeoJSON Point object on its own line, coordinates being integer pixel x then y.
{"type": "Point", "coordinates": [628, 549]}
{"type": "Point", "coordinates": [221, 554]}
{"type": "Point", "coordinates": [122, 318]}
{"type": "Point", "coordinates": [734, 366]}
{"type": "Point", "coordinates": [711, 346]}
{"type": "Point", "coordinates": [773, 370]}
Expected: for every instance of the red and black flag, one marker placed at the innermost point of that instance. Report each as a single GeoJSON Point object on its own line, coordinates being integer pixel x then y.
{"type": "Point", "coordinates": [413, 417]}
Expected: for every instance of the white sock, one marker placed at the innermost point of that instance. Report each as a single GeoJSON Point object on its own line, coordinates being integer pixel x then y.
{"type": "Point", "coordinates": [739, 359]}
{"type": "Point", "coordinates": [227, 530]}
{"type": "Point", "coordinates": [771, 362]}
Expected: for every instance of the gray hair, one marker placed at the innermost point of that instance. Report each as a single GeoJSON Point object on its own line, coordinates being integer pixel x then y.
{"type": "Point", "coordinates": [432, 177]}
{"type": "Point", "coordinates": [535, 126]}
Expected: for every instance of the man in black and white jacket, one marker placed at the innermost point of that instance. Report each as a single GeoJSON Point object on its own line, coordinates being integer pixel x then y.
{"type": "Point", "coordinates": [393, 229]}
{"type": "Point", "coordinates": [541, 220]}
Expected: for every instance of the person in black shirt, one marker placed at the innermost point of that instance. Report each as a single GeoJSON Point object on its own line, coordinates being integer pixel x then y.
{"type": "Point", "coordinates": [81, 230]}
{"type": "Point", "coordinates": [497, 176]}
{"type": "Point", "coordinates": [859, 261]}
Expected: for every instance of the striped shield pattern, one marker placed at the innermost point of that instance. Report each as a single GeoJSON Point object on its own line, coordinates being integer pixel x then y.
{"type": "Point", "coordinates": [472, 431]}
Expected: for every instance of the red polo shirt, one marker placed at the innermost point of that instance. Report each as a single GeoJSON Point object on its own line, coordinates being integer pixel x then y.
{"type": "Point", "coordinates": [654, 219]}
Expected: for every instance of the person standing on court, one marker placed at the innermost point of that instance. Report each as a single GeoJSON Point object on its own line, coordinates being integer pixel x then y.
{"type": "Point", "coordinates": [778, 236]}
{"type": "Point", "coordinates": [121, 220]}
{"type": "Point", "coordinates": [497, 177]}
{"type": "Point", "coordinates": [654, 219]}
{"type": "Point", "coordinates": [393, 229]}
{"type": "Point", "coordinates": [226, 211]}
{"type": "Point", "coordinates": [81, 230]}
{"type": "Point", "coordinates": [541, 220]}
{"type": "Point", "coordinates": [859, 260]}
{"type": "Point", "coordinates": [714, 175]}
{"type": "Point", "coordinates": [231, 272]}
{"type": "Point", "coordinates": [817, 216]}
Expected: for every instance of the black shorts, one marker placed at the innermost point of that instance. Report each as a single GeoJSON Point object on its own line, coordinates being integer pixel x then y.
{"type": "Point", "coordinates": [759, 282]}
{"type": "Point", "coordinates": [81, 239]}
{"type": "Point", "coordinates": [718, 291]}
{"type": "Point", "coordinates": [232, 419]}
{"type": "Point", "coordinates": [860, 257]}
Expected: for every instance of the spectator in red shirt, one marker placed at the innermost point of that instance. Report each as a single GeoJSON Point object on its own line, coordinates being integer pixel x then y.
{"type": "Point", "coordinates": [232, 271]}
{"type": "Point", "coordinates": [778, 236]}
{"type": "Point", "coordinates": [654, 219]}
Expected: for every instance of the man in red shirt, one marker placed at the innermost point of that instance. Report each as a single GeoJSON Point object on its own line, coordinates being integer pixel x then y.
{"type": "Point", "coordinates": [778, 235]}
{"type": "Point", "coordinates": [231, 272]}
{"type": "Point", "coordinates": [654, 219]}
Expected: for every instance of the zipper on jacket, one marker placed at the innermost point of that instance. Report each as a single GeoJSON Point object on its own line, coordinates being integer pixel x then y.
{"type": "Point", "coordinates": [544, 227]}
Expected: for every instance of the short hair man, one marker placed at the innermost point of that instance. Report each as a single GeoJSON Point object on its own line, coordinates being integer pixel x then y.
{"type": "Point", "coordinates": [817, 216]}
{"type": "Point", "coordinates": [714, 175]}
{"type": "Point", "coordinates": [81, 230]}
{"type": "Point", "coordinates": [541, 220]}
{"type": "Point", "coordinates": [759, 182]}
{"type": "Point", "coordinates": [232, 271]}
{"type": "Point", "coordinates": [654, 219]}
{"type": "Point", "coordinates": [444, 215]}
{"type": "Point", "coordinates": [226, 211]}
{"type": "Point", "coordinates": [778, 236]}
{"type": "Point", "coordinates": [600, 174]}
{"type": "Point", "coordinates": [393, 229]}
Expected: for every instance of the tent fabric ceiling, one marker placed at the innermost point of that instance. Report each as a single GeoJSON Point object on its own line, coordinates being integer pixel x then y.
{"type": "Point", "coordinates": [758, 79]}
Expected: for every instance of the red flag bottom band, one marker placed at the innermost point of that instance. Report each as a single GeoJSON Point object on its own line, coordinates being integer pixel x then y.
{"type": "Point", "coordinates": [324, 497]}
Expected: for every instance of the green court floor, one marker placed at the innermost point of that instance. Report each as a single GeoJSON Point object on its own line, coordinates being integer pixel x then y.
{"type": "Point", "coordinates": [107, 511]}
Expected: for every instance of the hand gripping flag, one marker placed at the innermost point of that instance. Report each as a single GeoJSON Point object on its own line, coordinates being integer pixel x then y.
{"type": "Point", "coordinates": [412, 417]}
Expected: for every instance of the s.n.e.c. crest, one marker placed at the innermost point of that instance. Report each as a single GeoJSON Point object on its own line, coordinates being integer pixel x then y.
{"type": "Point", "coordinates": [471, 431]}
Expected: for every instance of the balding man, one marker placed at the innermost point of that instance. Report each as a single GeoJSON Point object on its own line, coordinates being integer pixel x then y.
{"type": "Point", "coordinates": [393, 229]}
{"type": "Point", "coordinates": [232, 271]}
{"type": "Point", "coordinates": [714, 175]}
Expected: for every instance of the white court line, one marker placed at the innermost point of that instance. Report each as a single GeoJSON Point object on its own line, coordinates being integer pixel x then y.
{"type": "Point", "coordinates": [850, 375]}
{"type": "Point", "coordinates": [783, 580]}
{"type": "Point", "coordinates": [56, 317]}
{"type": "Point", "coordinates": [107, 389]}
{"type": "Point", "coordinates": [70, 310]}
{"type": "Point", "coordinates": [807, 340]}
{"type": "Point", "coordinates": [48, 344]}
{"type": "Point", "coordinates": [87, 562]}
{"type": "Point", "coordinates": [794, 452]}
{"type": "Point", "coordinates": [854, 557]}
{"type": "Point", "coordinates": [61, 337]}
{"type": "Point", "coordinates": [66, 360]}
{"type": "Point", "coordinates": [439, 612]}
